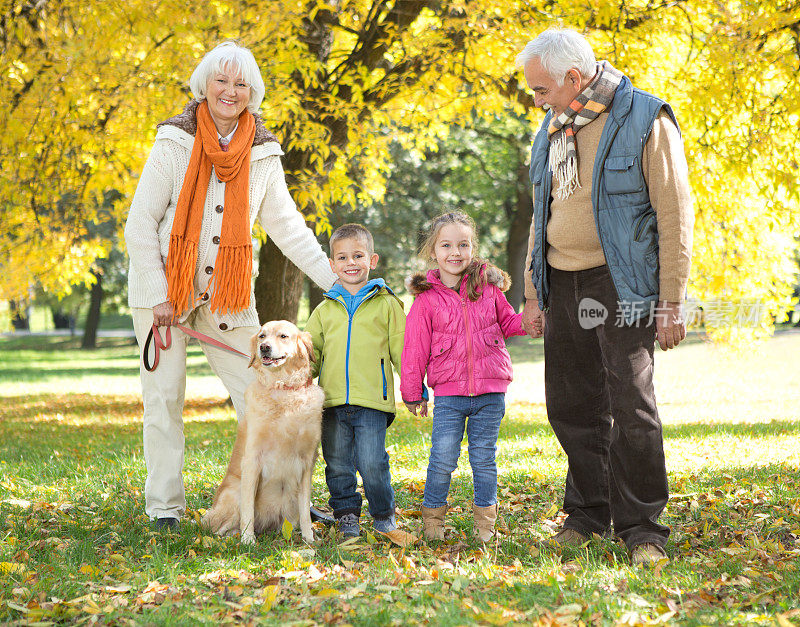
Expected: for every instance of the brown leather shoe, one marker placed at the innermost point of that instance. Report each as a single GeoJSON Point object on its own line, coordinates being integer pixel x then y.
{"type": "Point", "coordinates": [648, 555]}
{"type": "Point", "coordinates": [569, 537]}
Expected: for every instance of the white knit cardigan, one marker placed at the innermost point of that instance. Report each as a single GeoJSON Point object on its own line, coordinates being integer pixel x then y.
{"type": "Point", "coordinates": [147, 230]}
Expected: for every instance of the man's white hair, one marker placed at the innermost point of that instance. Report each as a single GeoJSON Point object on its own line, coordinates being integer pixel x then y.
{"type": "Point", "coordinates": [559, 51]}
{"type": "Point", "coordinates": [232, 57]}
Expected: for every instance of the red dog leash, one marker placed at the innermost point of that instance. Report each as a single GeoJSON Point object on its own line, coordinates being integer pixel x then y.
{"type": "Point", "coordinates": [155, 337]}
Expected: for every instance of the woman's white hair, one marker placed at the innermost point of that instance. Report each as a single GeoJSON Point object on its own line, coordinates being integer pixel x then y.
{"type": "Point", "coordinates": [559, 51]}
{"type": "Point", "coordinates": [229, 56]}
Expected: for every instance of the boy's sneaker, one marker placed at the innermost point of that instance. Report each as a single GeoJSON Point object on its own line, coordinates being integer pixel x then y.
{"type": "Point", "coordinates": [348, 525]}
{"type": "Point", "coordinates": [384, 525]}
{"type": "Point", "coordinates": [387, 527]}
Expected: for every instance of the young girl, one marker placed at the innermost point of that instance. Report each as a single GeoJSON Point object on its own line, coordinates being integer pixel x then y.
{"type": "Point", "coordinates": [455, 334]}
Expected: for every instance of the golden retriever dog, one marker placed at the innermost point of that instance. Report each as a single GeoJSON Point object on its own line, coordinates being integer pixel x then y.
{"type": "Point", "coordinates": [269, 476]}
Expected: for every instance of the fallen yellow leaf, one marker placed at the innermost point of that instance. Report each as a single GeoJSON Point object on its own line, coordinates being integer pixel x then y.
{"type": "Point", "coordinates": [11, 567]}
{"type": "Point", "coordinates": [270, 595]}
{"type": "Point", "coordinates": [400, 537]}
{"type": "Point", "coordinates": [327, 592]}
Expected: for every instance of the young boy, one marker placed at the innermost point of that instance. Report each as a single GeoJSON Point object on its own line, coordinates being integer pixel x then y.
{"type": "Point", "coordinates": [357, 332]}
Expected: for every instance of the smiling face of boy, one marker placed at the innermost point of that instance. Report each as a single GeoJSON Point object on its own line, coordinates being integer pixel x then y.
{"type": "Point", "coordinates": [351, 260]}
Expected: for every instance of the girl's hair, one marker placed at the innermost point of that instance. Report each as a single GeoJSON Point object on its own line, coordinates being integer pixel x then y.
{"type": "Point", "coordinates": [475, 278]}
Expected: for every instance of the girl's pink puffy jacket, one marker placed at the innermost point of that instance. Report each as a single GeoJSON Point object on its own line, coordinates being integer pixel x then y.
{"type": "Point", "coordinates": [458, 342]}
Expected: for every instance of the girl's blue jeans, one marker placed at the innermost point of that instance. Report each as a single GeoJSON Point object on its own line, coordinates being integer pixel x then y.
{"type": "Point", "coordinates": [482, 415]}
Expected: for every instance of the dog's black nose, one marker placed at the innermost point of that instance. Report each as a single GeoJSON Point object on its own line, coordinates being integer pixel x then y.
{"type": "Point", "coordinates": [266, 350]}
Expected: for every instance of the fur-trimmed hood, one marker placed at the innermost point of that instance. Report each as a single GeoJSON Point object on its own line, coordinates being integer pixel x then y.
{"type": "Point", "coordinates": [455, 343]}
{"type": "Point", "coordinates": [421, 281]}
{"type": "Point", "coordinates": [187, 122]}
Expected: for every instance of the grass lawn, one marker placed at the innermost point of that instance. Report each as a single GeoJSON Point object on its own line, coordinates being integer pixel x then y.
{"type": "Point", "coordinates": [75, 546]}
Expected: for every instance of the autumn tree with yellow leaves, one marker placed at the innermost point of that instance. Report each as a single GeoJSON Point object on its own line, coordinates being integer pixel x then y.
{"type": "Point", "coordinates": [85, 82]}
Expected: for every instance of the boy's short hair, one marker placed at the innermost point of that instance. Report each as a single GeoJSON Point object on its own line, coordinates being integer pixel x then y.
{"type": "Point", "coordinates": [353, 231]}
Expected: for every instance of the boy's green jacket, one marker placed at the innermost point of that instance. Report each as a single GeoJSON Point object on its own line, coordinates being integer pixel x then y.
{"type": "Point", "coordinates": [354, 353]}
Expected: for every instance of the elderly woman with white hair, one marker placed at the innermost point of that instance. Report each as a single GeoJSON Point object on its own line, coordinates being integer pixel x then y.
{"type": "Point", "coordinates": [212, 171]}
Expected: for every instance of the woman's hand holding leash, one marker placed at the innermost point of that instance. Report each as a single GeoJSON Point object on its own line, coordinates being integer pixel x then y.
{"type": "Point", "coordinates": [154, 337]}
{"type": "Point", "coordinates": [164, 315]}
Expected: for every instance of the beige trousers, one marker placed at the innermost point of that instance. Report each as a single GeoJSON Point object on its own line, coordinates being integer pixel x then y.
{"type": "Point", "coordinates": [163, 393]}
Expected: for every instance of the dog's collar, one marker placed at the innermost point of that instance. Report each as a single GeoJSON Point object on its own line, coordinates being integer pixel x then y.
{"type": "Point", "coordinates": [280, 385]}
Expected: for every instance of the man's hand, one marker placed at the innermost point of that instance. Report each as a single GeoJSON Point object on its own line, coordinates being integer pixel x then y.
{"type": "Point", "coordinates": [533, 318]}
{"type": "Point", "coordinates": [670, 325]}
{"type": "Point", "coordinates": [422, 405]}
{"type": "Point", "coordinates": [164, 315]}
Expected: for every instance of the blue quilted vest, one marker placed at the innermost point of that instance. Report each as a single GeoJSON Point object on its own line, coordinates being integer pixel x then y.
{"type": "Point", "coordinates": [625, 219]}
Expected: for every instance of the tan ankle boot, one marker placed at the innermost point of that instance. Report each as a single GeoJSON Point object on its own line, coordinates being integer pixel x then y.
{"type": "Point", "coordinates": [484, 517]}
{"type": "Point", "coordinates": [433, 522]}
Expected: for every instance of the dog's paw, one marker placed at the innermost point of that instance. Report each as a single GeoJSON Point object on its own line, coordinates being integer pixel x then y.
{"type": "Point", "coordinates": [308, 538]}
{"type": "Point", "coordinates": [248, 538]}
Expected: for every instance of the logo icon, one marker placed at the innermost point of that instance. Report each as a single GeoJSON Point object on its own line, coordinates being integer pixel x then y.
{"type": "Point", "coordinates": [591, 313]}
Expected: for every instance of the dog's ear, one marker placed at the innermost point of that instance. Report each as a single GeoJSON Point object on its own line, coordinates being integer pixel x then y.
{"type": "Point", "coordinates": [254, 349]}
{"type": "Point", "coordinates": [305, 345]}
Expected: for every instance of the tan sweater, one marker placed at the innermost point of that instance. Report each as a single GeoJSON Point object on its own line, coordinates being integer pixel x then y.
{"type": "Point", "coordinates": [152, 211]}
{"type": "Point", "coordinates": [573, 242]}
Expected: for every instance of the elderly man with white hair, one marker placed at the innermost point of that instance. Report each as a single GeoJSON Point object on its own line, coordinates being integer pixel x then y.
{"type": "Point", "coordinates": [610, 252]}
{"type": "Point", "coordinates": [212, 171]}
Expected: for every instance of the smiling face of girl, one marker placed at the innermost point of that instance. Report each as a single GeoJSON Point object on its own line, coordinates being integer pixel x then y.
{"type": "Point", "coordinates": [453, 252]}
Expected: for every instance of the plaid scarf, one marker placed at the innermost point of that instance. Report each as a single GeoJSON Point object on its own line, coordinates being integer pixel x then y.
{"type": "Point", "coordinates": [588, 104]}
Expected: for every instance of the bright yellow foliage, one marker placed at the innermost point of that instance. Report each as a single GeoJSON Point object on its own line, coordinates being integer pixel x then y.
{"type": "Point", "coordinates": [83, 84]}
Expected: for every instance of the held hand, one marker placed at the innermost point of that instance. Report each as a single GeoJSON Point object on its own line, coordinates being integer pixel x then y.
{"type": "Point", "coordinates": [670, 325]}
{"type": "Point", "coordinates": [422, 405]}
{"type": "Point", "coordinates": [163, 315]}
{"type": "Point", "coordinates": [532, 319]}
{"type": "Point", "coordinates": [412, 407]}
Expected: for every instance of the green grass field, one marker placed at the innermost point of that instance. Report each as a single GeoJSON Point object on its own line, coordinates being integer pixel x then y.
{"type": "Point", "coordinates": [75, 546]}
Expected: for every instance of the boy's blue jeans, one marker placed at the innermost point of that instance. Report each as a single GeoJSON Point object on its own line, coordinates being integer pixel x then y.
{"type": "Point", "coordinates": [485, 412]}
{"type": "Point", "coordinates": [354, 439]}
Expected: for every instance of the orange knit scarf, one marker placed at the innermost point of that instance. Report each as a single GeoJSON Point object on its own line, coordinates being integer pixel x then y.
{"type": "Point", "coordinates": [233, 269]}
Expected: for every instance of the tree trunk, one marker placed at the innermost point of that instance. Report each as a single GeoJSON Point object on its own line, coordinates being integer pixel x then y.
{"type": "Point", "coordinates": [93, 316]}
{"type": "Point", "coordinates": [279, 285]}
{"type": "Point", "coordinates": [61, 319]}
{"type": "Point", "coordinates": [315, 295]}
{"type": "Point", "coordinates": [517, 244]}
{"type": "Point", "coordinates": [19, 316]}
